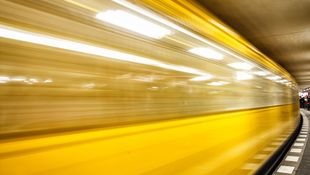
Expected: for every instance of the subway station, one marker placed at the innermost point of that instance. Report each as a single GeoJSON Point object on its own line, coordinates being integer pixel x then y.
{"type": "Point", "coordinates": [154, 87]}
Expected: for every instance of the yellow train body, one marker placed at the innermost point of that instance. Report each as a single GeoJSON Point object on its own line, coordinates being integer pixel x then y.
{"type": "Point", "coordinates": [82, 96]}
{"type": "Point", "coordinates": [215, 144]}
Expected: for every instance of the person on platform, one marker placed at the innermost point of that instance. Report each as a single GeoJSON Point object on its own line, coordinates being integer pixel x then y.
{"type": "Point", "coordinates": [302, 102]}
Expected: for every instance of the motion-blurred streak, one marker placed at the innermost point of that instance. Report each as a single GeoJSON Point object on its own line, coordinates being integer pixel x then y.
{"type": "Point", "coordinates": [80, 95]}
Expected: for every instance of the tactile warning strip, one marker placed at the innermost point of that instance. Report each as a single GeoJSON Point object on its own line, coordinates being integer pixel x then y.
{"type": "Point", "coordinates": [293, 158]}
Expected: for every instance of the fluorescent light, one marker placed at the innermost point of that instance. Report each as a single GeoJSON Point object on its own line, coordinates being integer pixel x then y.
{"type": "Point", "coordinates": [18, 78]}
{"type": "Point", "coordinates": [260, 73]}
{"type": "Point", "coordinates": [241, 66]}
{"type": "Point", "coordinates": [140, 10]}
{"type": "Point", "coordinates": [20, 35]}
{"type": "Point", "coordinates": [153, 16]}
{"type": "Point", "coordinates": [4, 78]}
{"type": "Point", "coordinates": [243, 76]}
{"type": "Point", "coordinates": [218, 83]}
{"type": "Point", "coordinates": [281, 81]}
{"type": "Point", "coordinates": [274, 77]}
{"type": "Point", "coordinates": [278, 81]}
{"type": "Point", "coordinates": [202, 78]}
{"type": "Point", "coordinates": [133, 23]}
{"type": "Point", "coordinates": [206, 53]}
{"type": "Point", "coordinates": [48, 81]}
{"type": "Point", "coordinates": [33, 80]}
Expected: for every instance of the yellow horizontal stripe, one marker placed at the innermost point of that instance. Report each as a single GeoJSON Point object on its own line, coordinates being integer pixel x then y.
{"type": "Point", "coordinates": [213, 144]}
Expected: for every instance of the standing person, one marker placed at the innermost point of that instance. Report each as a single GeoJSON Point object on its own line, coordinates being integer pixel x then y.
{"type": "Point", "coordinates": [308, 102]}
{"type": "Point", "coordinates": [301, 102]}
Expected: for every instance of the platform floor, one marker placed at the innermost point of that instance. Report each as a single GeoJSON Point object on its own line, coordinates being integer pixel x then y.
{"type": "Point", "coordinates": [297, 160]}
{"type": "Point", "coordinates": [304, 166]}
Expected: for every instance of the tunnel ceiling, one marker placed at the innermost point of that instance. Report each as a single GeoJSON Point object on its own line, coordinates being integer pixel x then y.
{"type": "Point", "coordinates": [279, 28]}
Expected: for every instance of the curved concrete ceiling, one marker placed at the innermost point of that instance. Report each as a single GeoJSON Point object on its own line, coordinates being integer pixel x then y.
{"type": "Point", "coordinates": [279, 28]}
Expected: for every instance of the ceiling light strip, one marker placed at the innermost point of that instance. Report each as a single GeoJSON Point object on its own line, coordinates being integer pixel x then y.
{"type": "Point", "coordinates": [133, 23]}
{"type": "Point", "coordinates": [137, 9]}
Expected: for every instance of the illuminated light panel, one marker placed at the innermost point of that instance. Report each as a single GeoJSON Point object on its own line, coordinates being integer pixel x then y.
{"type": "Point", "coordinates": [243, 76]}
{"type": "Point", "coordinates": [240, 66]}
{"type": "Point", "coordinates": [20, 35]}
{"type": "Point", "coordinates": [274, 77]}
{"type": "Point", "coordinates": [141, 11]}
{"type": "Point", "coordinates": [202, 78]}
{"type": "Point", "coordinates": [218, 83]}
{"type": "Point", "coordinates": [33, 80]}
{"type": "Point", "coordinates": [206, 53]}
{"type": "Point", "coordinates": [281, 81]}
{"type": "Point", "coordinates": [260, 73]}
{"type": "Point", "coordinates": [48, 81]}
{"type": "Point", "coordinates": [18, 79]}
{"type": "Point", "coordinates": [133, 23]}
{"type": "Point", "coordinates": [4, 78]}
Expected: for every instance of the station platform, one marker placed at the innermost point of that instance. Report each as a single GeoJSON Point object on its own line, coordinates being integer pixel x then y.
{"type": "Point", "coordinates": [297, 159]}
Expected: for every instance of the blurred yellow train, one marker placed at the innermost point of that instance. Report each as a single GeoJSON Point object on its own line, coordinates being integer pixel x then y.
{"type": "Point", "coordinates": [135, 87]}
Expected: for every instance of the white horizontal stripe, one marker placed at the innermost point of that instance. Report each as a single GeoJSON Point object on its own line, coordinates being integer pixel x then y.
{"type": "Point", "coordinates": [298, 144]}
{"type": "Point", "coordinates": [286, 169]}
{"type": "Point", "coordinates": [296, 150]}
{"type": "Point", "coordinates": [292, 158]}
{"type": "Point", "coordinates": [300, 140]}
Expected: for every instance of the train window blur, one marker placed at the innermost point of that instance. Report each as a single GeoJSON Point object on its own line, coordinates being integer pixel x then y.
{"type": "Point", "coordinates": [93, 72]}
